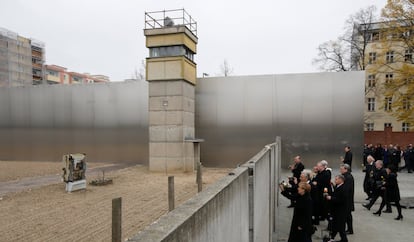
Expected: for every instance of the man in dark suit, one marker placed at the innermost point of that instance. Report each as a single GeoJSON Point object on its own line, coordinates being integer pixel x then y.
{"type": "Point", "coordinates": [410, 158]}
{"type": "Point", "coordinates": [297, 167]}
{"type": "Point", "coordinates": [339, 208]}
{"type": "Point", "coordinates": [348, 156]}
{"type": "Point", "coordinates": [321, 182]}
{"type": "Point", "coordinates": [379, 175]}
{"type": "Point", "coordinates": [369, 177]}
{"type": "Point", "coordinates": [349, 186]}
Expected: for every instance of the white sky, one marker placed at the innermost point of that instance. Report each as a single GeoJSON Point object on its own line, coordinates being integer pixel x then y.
{"type": "Point", "coordinates": [255, 37]}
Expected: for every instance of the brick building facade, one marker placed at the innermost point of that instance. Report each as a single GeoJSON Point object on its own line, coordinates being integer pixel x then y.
{"type": "Point", "coordinates": [389, 137]}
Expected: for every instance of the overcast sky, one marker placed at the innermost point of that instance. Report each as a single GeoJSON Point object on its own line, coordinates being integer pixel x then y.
{"type": "Point", "coordinates": [254, 36]}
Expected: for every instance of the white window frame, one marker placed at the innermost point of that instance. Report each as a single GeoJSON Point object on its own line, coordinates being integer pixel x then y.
{"type": "Point", "coordinates": [371, 104]}
{"type": "Point", "coordinates": [405, 127]}
{"type": "Point", "coordinates": [388, 104]}
{"type": "Point", "coordinates": [389, 56]}
{"type": "Point", "coordinates": [371, 80]}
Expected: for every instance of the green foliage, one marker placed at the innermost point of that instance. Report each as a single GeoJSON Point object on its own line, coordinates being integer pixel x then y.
{"type": "Point", "coordinates": [398, 33]}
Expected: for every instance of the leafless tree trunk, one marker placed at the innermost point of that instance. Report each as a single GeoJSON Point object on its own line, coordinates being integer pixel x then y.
{"type": "Point", "coordinates": [226, 69]}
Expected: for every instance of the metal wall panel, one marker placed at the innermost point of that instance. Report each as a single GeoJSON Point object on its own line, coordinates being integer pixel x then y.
{"type": "Point", "coordinates": [108, 122]}
{"type": "Point", "coordinates": [315, 115]}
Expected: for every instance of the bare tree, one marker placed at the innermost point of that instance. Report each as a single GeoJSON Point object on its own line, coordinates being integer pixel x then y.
{"type": "Point", "coordinates": [226, 69]}
{"type": "Point", "coordinates": [347, 52]}
{"type": "Point", "coordinates": [333, 55]}
{"type": "Point", "coordinates": [139, 75]}
{"type": "Point", "coordinates": [357, 34]}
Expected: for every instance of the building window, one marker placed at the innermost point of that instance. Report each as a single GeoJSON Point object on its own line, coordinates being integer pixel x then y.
{"type": "Point", "coordinates": [405, 127]}
{"type": "Point", "coordinates": [374, 36]}
{"type": "Point", "coordinates": [77, 79]}
{"type": "Point", "coordinates": [370, 126]}
{"type": "Point", "coordinates": [52, 73]}
{"type": "Point", "coordinates": [389, 78]}
{"type": "Point", "coordinates": [371, 80]}
{"type": "Point", "coordinates": [388, 104]}
{"type": "Point", "coordinates": [372, 57]}
{"type": "Point", "coordinates": [389, 57]}
{"type": "Point", "coordinates": [408, 57]}
{"type": "Point", "coordinates": [371, 104]}
{"type": "Point", "coordinates": [387, 125]}
{"type": "Point", "coordinates": [406, 105]}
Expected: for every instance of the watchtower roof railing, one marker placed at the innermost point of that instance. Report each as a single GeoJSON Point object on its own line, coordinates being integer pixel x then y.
{"type": "Point", "coordinates": [170, 18]}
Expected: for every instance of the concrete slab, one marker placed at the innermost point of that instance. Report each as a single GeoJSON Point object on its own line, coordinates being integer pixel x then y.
{"type": "Point", "coordinates": [367, 227]}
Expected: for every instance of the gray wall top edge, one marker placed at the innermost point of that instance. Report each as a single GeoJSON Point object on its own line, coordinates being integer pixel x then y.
{"type": "Point", "coordinates": [169, 222]}
{"type": "Point", "coordinates": [284, 75]}
{"type": "Point", "coordinates": [73, 86]}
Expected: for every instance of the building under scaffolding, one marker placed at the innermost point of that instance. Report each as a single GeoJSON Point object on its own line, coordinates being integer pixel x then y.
{"type": "Point", "coordinates": [21, 60]}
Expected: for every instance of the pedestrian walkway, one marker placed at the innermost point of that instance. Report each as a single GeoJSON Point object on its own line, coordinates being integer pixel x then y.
{"type": "Point", "coordinates": [367, 227]}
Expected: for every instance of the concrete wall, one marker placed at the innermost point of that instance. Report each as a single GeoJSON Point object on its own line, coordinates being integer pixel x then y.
{"type": "Point", "coordinates": [239, 207]}
{"type": "Point", "coordinates": [171, 121]}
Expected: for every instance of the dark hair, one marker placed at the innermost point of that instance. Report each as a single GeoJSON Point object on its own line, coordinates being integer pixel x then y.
{"type": "Point", "coordinates": [392, 168]}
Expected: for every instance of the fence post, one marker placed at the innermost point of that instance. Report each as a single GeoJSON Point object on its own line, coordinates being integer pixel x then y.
{"type": "Point", "coordinates": [171, 193]}
{"type": "Point", "coordinates": [199, 177]}
{"type": "Point", "coordinates": [116, 219]}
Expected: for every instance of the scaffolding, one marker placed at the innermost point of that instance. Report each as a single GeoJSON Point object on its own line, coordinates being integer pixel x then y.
{"type": "Point", "coordinates": [170, 18]}
{"type": "Point", "coordinates": [21, 59]}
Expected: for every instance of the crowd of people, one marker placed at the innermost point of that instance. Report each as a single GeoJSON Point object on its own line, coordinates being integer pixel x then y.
{"type": "Point", "coordinates": [393, 156]}
{"type": "Point", "coordinates": [315, 197]}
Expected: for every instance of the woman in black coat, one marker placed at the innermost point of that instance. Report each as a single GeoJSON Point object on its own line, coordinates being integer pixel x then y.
{"type": "Point", "coordinates": [392, 192]}
{"type": "Point", "coordinates": [301, 229]}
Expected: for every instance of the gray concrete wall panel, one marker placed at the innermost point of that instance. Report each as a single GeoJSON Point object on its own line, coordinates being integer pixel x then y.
{"type": "Point", "coordinates": [220, 213]}
{"type": "Point", "coordinates": [239, 207]}
{"type": "Point", "coordinates": [262, 187]}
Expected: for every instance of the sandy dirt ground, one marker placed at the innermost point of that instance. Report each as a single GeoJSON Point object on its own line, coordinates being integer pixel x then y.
{"type": "Point", "coordinates": [49, 213]}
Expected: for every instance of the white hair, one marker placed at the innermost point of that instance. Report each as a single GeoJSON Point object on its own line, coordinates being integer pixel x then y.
{"type": "Point", "coordinates": [324, 163]}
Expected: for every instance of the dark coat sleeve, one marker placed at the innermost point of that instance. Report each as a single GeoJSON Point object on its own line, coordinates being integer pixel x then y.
{"type": "Point", "coordinates": [297, 170]}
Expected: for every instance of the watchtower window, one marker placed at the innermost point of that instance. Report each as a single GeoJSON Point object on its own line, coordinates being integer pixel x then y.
{"type": "Point", "coordinates": [176, 50]}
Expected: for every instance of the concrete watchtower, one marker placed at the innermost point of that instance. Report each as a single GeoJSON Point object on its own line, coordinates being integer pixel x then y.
{"type": "Point", "coordinates": [171, 37]}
